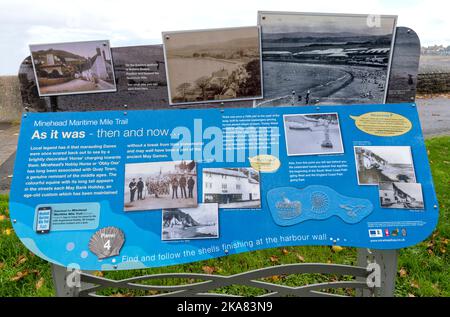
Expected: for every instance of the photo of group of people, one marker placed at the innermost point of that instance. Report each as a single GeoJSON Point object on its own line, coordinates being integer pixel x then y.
{"type": "Point", "coordinates": [172, 187]}
{"type": "Point", "coordinates": [391, 168]}
{"type": "Point", "coordinates": [150, 186]}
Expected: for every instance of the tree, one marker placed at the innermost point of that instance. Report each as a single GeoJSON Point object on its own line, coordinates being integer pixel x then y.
{"type": "Point", "coordinates": [182, 90]}
{"type": "Point", "coordinates": [202, 83]}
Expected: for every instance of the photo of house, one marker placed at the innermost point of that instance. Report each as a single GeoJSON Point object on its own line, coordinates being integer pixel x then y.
{"type": "Point", "coordinates": [325, 58]}
{"type": "Point", "coordinates": [401, 195]}
{"type": "Point", "coordinates": [158, 185]}
{"type": "Point", "coordinates": [73, 68]}
{"type": "Point", "coordinates": [213, 65]}
{"type": "Point", "coordinates": [232, 188]}
{"type": "Point", "coordinates": [313, 134]}
{"type": "Point", "coordinates": [201, 222]}
{"type": "Point", "coordinates": [378, 164]}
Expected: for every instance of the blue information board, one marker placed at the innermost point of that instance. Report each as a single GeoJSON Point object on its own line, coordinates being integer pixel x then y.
{"type": "Point", "coordinates": [126, 190]}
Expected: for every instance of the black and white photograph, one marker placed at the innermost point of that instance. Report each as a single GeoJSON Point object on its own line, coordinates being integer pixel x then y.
{"type": "Point", "coordinates": [313, 134]}
{"type": "Point", "coordinates": [311, 58]}
{"type": "Point", "coordinates": [401, 195]}
{"type": "Point", "coordinates": [213, 65]}
{"type": "Point", "coordinates": [379, 164]}
{"type": "Point", "coordinates": [232, 188]}
{"type": "Point", "coordinates": [159, 185]}
{"type": "Point", "coordinates": [73, 68]}
{"type": "Point", "coordinates": [201, 222]}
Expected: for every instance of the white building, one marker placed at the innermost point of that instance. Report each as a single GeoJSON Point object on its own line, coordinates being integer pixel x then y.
{"type": "Point", "coordinates": [229, 185]}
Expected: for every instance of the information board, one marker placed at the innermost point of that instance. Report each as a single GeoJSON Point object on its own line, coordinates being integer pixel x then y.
{"type": "Point", "coordinates": [125, 190]}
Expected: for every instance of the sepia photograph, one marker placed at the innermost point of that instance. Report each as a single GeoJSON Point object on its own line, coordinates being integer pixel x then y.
{"type": "Point", "coordinates": [401, 195]}
{"type": "Point", "coordinates": [313, 134]}
{"type": "Point", "coordinates": [213, 65]}
{"type": "Point", "coordinates": [158, 185]}
{"type": "Point", "coordinates": [380, 164]}
{"type": "Point", "coordinates": [201, 222]}
{"type": "Point", "coordinates": [311, 58]}
{"type": "Point", "coordinates": [232, 188]}
{"type": "Point", "coordinates": [73, 68]}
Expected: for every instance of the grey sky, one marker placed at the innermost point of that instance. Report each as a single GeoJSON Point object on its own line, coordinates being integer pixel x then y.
{"type": "Point", "coordinates": [138, 22]}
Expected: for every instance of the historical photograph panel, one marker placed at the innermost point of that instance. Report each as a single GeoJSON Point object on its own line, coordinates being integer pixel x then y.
{"type": "Point", "coordinates": [232, 188]}
{"type": "Point", "coordinates": [378, 164]}
{"type": "Point", "coordinates": [325, 58]}
{"type": "Point", "coordinates": [313, 134]}
{"type": "Point", "coordinates": [401, 195]}
{"type": "Point", "coordinates": [73, 68]}
{"type": "Point", "coordinates": [159, 185]}
{"type": "Point", "coordinates": [213, 65]}
{"type": "Point", "coordinates": [201, 222]}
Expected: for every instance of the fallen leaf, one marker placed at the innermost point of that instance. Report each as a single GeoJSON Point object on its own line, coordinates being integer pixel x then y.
{"type": "Point", "coordinates": [40, 283]}
{"type": "Point", "coordinates": [7, 231]}
{"type": "Point", "coordinates": [402, 272]}
{"type": "Point", "coordinates": [275, 278]}
{"type": "Point", "coordinates": [2, 265]}
{"type": "Point", "coordinates": [414, 284]}
{"type": "Point", "coordinates": [411, 295]}
{"type": "Point", "coordinates": [21, 260]}
{"type": "Point", "coordinates": [98, 273]}
{"type": "Point", "coordinates": [285, 252]}
{"type": "Point", "coordinates": [208, 269]}
{"type": "Point", "coordinates": [2, 217]}
{"type": "Point", "coordinates": [273, 258]}
{"type": "Point", "coordinates": [337, 248]}
{"type": "Point", "coordinates": [430, 252]}
{"type": "Point", "coordinates": [300, 258]}
{"type": "Point", "coordinates": [443, 250]}
{"type": "Point", "coordinates": [19, 276]}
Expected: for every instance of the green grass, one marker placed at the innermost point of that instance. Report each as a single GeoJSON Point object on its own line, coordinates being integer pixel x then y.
{"type": "Point", "coordinates": [424, 269]}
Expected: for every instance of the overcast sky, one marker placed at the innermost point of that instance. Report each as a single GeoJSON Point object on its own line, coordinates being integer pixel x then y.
{"type": "Point", "coordinates": [138, 22]}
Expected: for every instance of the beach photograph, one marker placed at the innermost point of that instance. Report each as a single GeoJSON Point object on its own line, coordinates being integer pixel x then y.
{"type": "Point", "coordinates": [325, 58]}
{"type": "Point", "coordinates": [378, 164]}
{"type": "Point", "coordinates": [313, 134]}
{"type": "Point", "coordinates": [213, 65]}
{"type": "Point", "coordinates": [201, 222]}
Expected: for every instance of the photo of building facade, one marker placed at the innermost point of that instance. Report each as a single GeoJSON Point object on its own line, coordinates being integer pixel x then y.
{"type": "Point", "coordinates": [232, 187]}
{"type": "Point", "coordinates": [401, 195]}
{"type": "Point", "coordinates": [73, 68]}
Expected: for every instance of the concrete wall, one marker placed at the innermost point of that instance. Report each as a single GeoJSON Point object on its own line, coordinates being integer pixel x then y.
{"type": "Point", "coordinates": [10, 99]}
{"type": "Point", "coordinates": [430, 83]}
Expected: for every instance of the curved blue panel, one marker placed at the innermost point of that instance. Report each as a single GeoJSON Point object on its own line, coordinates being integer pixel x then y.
{"type": "Point", "coordinates": [71, 199]}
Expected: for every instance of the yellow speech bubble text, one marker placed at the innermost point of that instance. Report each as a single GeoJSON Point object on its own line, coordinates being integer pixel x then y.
{"type": "Point", "coordinates": [384, 124]}
{"type": "Point", "coordinates": [265, 163]}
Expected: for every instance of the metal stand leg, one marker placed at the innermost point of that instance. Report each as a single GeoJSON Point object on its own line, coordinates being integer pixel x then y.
{"type": "Point", "coordinates": [65, 281]}
{"type": "Point", "coordinates": [387, 260]}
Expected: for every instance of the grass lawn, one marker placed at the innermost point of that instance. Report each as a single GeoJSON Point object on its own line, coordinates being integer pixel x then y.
{"type": "Point", "coordinates": [423, 270]}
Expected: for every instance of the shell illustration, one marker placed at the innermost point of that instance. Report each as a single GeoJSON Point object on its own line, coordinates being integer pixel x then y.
{"type": "Point", "coordinates": [107, 242]}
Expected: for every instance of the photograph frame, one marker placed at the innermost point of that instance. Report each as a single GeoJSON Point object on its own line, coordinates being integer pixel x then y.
{"type": "Point", "coordinates": [418, 185]}
{"type": "Point", "coordinates": [376, 184]}
{"type": "Point", "coordinates": [73, 92]}
{"type": "Point", "coordinates": [221, 205]}
{"type": "Point", "coordinates": [261, 15]}
{"type": "Point", "coordinates": [217, 211]}
{"type": "Point", "coordinates": [169, 92]}
{"type": "Point", "coordinates": [312, 154]}
{"type": "Point", "coordinates": [163, 188]}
